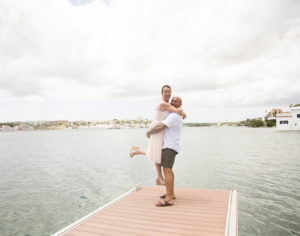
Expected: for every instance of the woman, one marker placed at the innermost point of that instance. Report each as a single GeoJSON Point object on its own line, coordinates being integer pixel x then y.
{"type": "Point", "coordinates": [156, 140]}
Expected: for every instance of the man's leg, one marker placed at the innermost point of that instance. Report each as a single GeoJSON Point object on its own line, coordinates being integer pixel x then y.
{"type": "Point", "coordinates": [167, 161]}
{"type": "Point", "coordinates": [169, 180]}
{"type": "Point", "coordinates": [172, 184]}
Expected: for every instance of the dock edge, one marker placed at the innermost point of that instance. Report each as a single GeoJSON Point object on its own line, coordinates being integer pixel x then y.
{"type": "Point", "coordinates": [232, 218]}
{"type": "Point", "coordinates": [85, 218]}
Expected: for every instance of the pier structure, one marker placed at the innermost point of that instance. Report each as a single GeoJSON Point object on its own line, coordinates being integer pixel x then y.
{"type": "Point", "coordinates": [195, 212]}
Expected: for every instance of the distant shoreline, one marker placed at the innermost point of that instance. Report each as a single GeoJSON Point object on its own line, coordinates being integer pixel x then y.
{"type": "Point", "coordinates": [194, 125]}
{"type": "Point", "coordinates": [118, 124]}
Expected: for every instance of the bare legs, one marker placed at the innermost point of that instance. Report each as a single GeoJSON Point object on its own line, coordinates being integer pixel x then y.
{"type": "Point", "coordinates": [138, 151]}
{"type": "Point", "coordinates": [169, 178]}
{"type": "Point", "coordinates": [160, 178]}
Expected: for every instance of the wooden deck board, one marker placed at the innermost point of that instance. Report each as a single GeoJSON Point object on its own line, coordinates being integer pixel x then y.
{"type": "Point", "coordinates": [195, 212]}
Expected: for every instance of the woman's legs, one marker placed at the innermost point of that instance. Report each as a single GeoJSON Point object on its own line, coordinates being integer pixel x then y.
{"type": "Point", "coordinates": [136, 151]}
{"type": "Point", "coordinates": [160, 178]}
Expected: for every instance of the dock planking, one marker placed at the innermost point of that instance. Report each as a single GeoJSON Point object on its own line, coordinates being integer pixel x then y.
{"type": "Point", "coordinates": [195, 212]}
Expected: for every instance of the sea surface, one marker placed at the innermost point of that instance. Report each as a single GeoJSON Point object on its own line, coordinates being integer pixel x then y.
{"type": "Point", "coordinates": [49, 179]}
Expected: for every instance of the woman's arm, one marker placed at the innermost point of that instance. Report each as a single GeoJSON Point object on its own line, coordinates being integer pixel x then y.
{"type": "Point", "coordinates": [164, 106]}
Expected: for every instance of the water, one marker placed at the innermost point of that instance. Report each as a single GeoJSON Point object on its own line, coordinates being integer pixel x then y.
{"type": "Point", "coordinates": [49, 179]}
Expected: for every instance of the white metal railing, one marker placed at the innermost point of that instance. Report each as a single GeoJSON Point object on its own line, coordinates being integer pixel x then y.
{"type": "Point", "coordinates": [85, 218]}
{"type": "Point", "coordinates": [231, 219]}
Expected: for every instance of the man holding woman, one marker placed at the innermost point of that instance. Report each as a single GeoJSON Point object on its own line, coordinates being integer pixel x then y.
{"type": "Point", "coordinates": [172, 130]}
{"type": "Point", "coordinates": [154, 149]}
{"type": "Point", "coordinates": [158, 138]}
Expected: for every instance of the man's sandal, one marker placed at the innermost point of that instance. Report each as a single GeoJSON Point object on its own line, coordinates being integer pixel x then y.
{"type": "Point", "coordinates": [164, 196]}
{"type": "Point", "coordinates": [164, 204]}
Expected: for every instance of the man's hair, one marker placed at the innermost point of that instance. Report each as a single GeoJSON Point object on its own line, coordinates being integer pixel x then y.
{"type": "Point", "coordinates": [165, 86]}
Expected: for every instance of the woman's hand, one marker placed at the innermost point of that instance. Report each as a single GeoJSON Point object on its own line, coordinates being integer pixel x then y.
{"type": "Point", "coordinates": [180, 111]}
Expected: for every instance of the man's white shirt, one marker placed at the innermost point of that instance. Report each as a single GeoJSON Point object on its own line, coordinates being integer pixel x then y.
{"type": "Point", "coordinates": [172, 132]}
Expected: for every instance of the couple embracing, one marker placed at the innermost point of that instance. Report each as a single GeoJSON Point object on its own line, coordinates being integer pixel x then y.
{"type": "Point", "coordinates": [164, 134]}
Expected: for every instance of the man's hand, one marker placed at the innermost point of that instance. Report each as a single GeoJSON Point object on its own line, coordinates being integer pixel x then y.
{"type": "Point", "coordinates": [157, 128]}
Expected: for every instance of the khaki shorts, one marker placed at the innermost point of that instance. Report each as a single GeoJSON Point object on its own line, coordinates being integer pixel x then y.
{"type": "Point", "coordinates": [168, 158]}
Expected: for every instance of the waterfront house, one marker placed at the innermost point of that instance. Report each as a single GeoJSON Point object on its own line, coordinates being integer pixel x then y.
{"type": "Point", "coordinates": [289, 120]}
{"type": "Point", "coordinates": [7, 128]}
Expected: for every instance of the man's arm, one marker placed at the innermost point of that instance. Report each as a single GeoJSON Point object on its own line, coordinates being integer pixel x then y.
{"type": "Point", "coordinates": [156, 129]}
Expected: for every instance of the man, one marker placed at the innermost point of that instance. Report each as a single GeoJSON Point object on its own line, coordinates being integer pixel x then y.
{"type": "Point", "coordinates": [172, 130]}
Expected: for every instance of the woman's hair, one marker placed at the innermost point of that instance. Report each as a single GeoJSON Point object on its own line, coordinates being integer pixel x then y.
{"type": "Point", "coordinates": [165, 86]}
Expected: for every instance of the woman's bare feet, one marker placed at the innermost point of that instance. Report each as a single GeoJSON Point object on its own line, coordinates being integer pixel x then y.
{"type": "Point", "coordinates": [132, 151]}
{"type": "Point", "coordinates": [160, 181]}
{"type": "Point", "coordinates": [135, 150]}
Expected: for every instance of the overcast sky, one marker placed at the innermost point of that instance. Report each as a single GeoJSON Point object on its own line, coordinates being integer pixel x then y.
{"type": "Point", "coordinates": [102, 59]}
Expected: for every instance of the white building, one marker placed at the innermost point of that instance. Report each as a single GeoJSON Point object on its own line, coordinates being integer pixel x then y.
{"type": "Point", "coordinates": [289, 120]}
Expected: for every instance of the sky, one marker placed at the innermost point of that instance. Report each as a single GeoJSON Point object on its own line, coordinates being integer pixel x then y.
{"type": "Point", "coordinates": [228, 60]}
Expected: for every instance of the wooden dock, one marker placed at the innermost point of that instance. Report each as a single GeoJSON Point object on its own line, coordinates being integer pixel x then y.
{"type": "Point", "coordinates": [195, 212]}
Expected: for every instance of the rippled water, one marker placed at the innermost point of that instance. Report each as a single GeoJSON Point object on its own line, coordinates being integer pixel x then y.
{"type": "Point", "coordinates": [49, 179]}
